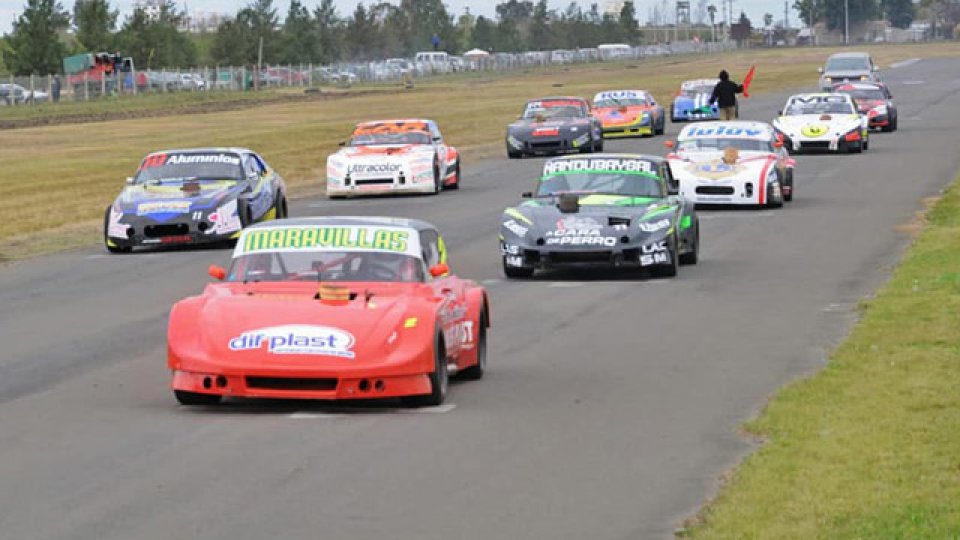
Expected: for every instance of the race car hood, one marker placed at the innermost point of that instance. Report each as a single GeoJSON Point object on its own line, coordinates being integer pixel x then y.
{"type": "Point", "coordinates": [601, 215]}
{"type": "Point", "coordinates": [710, 165]}
{"type": "Point", "coordinates": [161, 201]}
{"type": "Point", "coordinates": [296, 328]}
{"type": "Point", "coordinates": [547, 128]}
{"type": "Point", "coordinates": [620, 115]}
{"type": "Point", "coordinates": [817, 125]}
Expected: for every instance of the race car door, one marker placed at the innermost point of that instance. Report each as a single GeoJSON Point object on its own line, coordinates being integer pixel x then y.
{"type": "Point", "coordinates": [453, 308]}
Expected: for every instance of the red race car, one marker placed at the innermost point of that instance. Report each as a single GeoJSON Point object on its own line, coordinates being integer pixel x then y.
{"type": "Point", "coordinates": [330, 308]}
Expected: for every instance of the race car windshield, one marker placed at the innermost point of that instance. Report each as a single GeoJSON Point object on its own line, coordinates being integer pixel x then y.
{"type": "Point", "coordinates": [178, 167]}
{"type": "Point", "coordinates": [866, 94]}
{"type": "Point", "coordinates": [819, 108]}
{"type": "Point", "coordinates": [564, 111]}
{"type": "Point", "coordinates": [400, 137]}
{"type": "Point", "coordinates": [326, 266]}
{"type": "Point", "coordinates": [707, 145]}
{"type": "Point", "coordinates": [638, 184]}
{"type": "Point", "coordinates": [847, 64]}
{"type": "Point", "coordinates": [692, 91]}
{"type": "Point", "coordinates": [620, 102]}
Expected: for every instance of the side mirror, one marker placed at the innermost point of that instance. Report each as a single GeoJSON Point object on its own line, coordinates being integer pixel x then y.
{"type": "Point", "coordinates": [129, 180]}
{"type": "Point", "coordinates": [217, 272]}
{"type": "Point", "coordinates": [670, 144]}
{"type": "Point", "coordinates": [527, 195]}
{"type": "Point", "coordinates": [439, 270]}
{"type": "Point", "coordinates": [820, 70]}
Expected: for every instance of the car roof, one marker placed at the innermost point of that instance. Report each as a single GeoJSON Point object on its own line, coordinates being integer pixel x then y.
{"type": "Point", "coordinates": [731, 128]}
{"type": "Point", "coordinates": [206, 150]}
{"type": "Point", "coordinates": [558, 98]}
{"type": "Point", "coordinates": [851, 54]}
{"type": "Point", "coordinates": [395, 121]}
{"type": "Point", "coordinates": [319, 221]}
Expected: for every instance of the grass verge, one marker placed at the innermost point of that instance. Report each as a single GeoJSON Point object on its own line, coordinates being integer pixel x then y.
{"type": "Point", "coordinates": [58, 179]}
{"type": "Point", "coordinates": [869, 447]}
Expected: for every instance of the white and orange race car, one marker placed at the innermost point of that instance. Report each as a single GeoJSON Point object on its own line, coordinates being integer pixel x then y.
{"type": "Point", "coordinates": [393, 156]}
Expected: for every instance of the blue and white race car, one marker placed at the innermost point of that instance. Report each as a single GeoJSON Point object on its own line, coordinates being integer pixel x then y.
{"type": "Point", "coordinates": [693, 101]}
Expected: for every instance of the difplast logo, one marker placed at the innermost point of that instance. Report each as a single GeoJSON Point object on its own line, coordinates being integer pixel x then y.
{"type": "Point", "coordinates": [297, 339]}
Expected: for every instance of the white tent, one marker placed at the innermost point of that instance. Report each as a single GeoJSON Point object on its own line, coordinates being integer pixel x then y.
{"type": "Point", "coordinates": [476, 54]}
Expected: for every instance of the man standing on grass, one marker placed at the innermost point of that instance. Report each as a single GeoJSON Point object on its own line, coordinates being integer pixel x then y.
{"type": "Point", "coordinates": [725, 92]}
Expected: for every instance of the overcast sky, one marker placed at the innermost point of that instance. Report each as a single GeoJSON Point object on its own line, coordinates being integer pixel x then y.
{"type": "Point", "coordinates": [9, 9]}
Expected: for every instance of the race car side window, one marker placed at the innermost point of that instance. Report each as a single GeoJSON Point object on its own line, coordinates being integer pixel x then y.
{"type": "Point", "coordinates": [430, 242]}
{"type": "Point", "coordinates": [250, 166]}
{"type": "Point", "coordinates": [672, 187]}
{"type": "Point", "coordinates": [260, 163]}
{"type": "Point", "coordinates": [435, 132]}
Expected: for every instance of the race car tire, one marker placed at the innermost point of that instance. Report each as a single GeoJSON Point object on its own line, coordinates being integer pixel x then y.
{"type": "Point", "coordinates": [279, 206]}
{"type": "Point", "coordinates": [893, 126]}
{"type": "Point", "coordinates": [659, 130]}
{"type": "Point", "coordinates": [866, 144]}
{"type": "Point", "coordinates": [336, 197]}
{"type": "Point", "coordinates": [789, 182]}
{"type": "Point", "coordinates": [194, 398]}
{"type": "Point", "coordinates": [514, 155]}
{"type": "Point", "coordinates": [112, 249]}
{"type": "Point", "coordinates": [669, 270]}
{"type": "Point", "coordinates": [855, 149]}
{"type": "Point", "coordinates": [515, 272]}
{"type": "Point", "coordinates": [245, 213]}
{"type": "Point", "coordinates": [598, 145]}
{"type": "Point", "coordinates": [437, 181]}
{"type": "Point", "coordinates": [475, 372]}
{"type": "Point", "coordinates": [439, 378]}
{"type": "Point", "coordinates": [456, 174]}
{"type": "Point", "coordinates": [693, 255]}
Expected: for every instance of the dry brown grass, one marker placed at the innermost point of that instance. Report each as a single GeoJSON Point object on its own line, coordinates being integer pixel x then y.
{"type": "Point", "coordinates": [66, 175]}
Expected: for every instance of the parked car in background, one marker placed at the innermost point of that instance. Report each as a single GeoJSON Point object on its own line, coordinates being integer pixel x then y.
{"type": "Point", "coordinates": [192, 81]}
{"type": "Point", "coordinates": [848, 67]}
{"type": "Point", "coordinates": [14, 94]}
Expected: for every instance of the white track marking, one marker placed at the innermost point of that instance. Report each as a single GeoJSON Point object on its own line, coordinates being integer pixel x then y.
{"type": "Point", "coordinates": [314, 416]}
{"type": "Point", "coordinates": [565, 284]}
{"type": "Point", "coordinates": [441, 409]}
{"type": "Point", "coordinates": [904, 63]}
{"type": "Point", "coordinates": [491, 281]}
{"type": "Point", "coordinates": [362, 412]}
{"type": "Point", "coordinates": [913, 83]}
{"type": "Point", "coordinates": [737, 215]}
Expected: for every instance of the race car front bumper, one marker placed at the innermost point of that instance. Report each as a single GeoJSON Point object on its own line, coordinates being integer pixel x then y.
{"type": "Point", "coordinates": [184, 232]}
{"type": "Point", "coordinates": [377, 186]}
{"type": "Point", "coordinates": [633, 130]}
{"type": "Point", "coordinates": [832, 144]}
{"type": "Point", "coordinates": [630, 256]}
{"type": "Point", "coordinates": [549, 145]}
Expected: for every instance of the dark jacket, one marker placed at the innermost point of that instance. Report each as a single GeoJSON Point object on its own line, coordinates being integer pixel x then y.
{"type": "Point", "coordinates": [725, 92]}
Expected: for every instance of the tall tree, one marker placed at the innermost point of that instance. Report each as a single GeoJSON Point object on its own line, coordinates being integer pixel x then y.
{"type": "Point", "coordinates": [540, 34]}
{"type": "Point", "coordinates": [858, 11]}
{"type": "Point", "coordinates": [231, 46]}
{"type": "Point", "coordinates": [484, 34]}
{"type": "Point", "coordinates": [629, 25]}
{"type": "Point", "coordinates": [263, 20]}
{"type": "Point", "coordinates": [301, 41]}
{"type": "Point", "coordinates": [330, 28]}
{"type": "Point", "coordinates": [34, 46]}
{"type": "Point", "coordinates": [360, 27]}
{"type": "Point", "coordinates": [95, 23]}
{"type": "Point", "coordinates": [155, 41]}
{"type": "Point", "coordinates": [900, 13]}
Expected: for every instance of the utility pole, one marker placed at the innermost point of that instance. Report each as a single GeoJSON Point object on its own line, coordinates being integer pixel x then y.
{"type": "Point", "coordinates": [786, 15]}
{"type": "Point", "coordinates": [846, 22]}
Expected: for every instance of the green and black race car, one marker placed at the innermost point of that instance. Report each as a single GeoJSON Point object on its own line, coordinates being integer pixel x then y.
{"type": "Point", "coordinates": [613, 210]}
{"type": "Point", "coordinates": [193, 196]}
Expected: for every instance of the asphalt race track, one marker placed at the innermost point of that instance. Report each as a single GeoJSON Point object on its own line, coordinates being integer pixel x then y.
{"type": "Point", "coordinates": [610, 409]}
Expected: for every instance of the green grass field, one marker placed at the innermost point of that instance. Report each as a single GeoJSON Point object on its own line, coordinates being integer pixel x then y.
{"type": "Point", "coordinates": [869, 447]}
{"type": "Point", "coordinates": [58, 179]}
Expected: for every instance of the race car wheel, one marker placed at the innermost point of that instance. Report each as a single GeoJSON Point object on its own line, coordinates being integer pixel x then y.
{"type": "Point", "coordinates": [788, 195]}
{"type": "Point", "coordinates": [245, 213]}
{"type": "Point", "coordinates": [456, 174]}
{"type": "Point", "coordinates": [691, 256]}
{"type": "Point", "coordinates": [516, 272]}
{"type": "Point", "coordinates": [475, 372]}
{"type": "Point", "coordinates": [669, 270]}
{"type": "Point", "coordinates": [659, 130]}
{"type": "Point", "coordinates": [439, 379]}
{"type": "Point", "coordinates": [514, 155]}
{"type": "Point", "coordinates": [866, 143]}
{"type": "Point", "coordinates": [598, 145]}
{"type": "Point", "coordinates": [279, 206]}
{"type": "Point", "coordinates": [893, 124]}
{"type": "Point", "coordinates": [106, 239]}
{"type": "Point", "coordinates": [855, 148]}
{"type": "Point", "coordinates": [193, 398]}
{"type": "Point", "coordinates": [437, 181]}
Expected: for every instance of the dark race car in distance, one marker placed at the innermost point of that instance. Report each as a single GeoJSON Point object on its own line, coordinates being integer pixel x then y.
{"type": "Point", "coordinates": [609, 210]}
{"type": "Point", "coordinates": [873, 100]}
{"type": "Point", "coordinates": [552, 125]}
{"type": "Point", "coordinates": [193, 196]}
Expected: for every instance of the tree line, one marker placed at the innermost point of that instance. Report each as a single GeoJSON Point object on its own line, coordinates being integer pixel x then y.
{"type": "Point", "coordinates": [45, 32]}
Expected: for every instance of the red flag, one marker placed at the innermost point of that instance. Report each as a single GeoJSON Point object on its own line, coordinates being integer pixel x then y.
{"type": "Point", "coordinates": [747, 80]}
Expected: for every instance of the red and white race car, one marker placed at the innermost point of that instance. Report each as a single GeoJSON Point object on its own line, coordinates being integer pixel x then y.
{"type": "Point", "coordinates": [732, 163]}
{"type": "Point", "coordinates": [393, 156]}
{"type": "Point", "coordinates": [330, 308]}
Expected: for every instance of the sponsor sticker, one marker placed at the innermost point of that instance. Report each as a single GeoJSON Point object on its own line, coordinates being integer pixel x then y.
{"type": "Point", "coordinates": [561, 166]}
{"type": "Point", "coordinates": [297, 339]}
{"type": "Point", "coordinates": [655, 253]}
{"type": "Point", "coordinates": [373, 169]}
{"type": "Point", "coordinates": [720, 130]}
{"type": "Point", "coordinates": [329, 238]}
{"type": "Point", "coordinates": [515, 228]}
{"type": "Point", "coordinates": [654, 226]}
{"type": "Point", "coordinates": [163, 207]}
{"type": "Point", "coordinates": [159, 160]}
{"type": "Point", "coordinates": [814, 130]}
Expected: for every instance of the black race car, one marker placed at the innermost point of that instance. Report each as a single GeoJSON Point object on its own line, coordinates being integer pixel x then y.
{"type": "Point", "coordinates": [552, 125]}
{"type": "Point", "coordinates": [608, 210]}
{"type": "Point", "coordinates": [193, 196]}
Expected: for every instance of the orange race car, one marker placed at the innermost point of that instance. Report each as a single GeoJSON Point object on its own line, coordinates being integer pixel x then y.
{"type": "Point", "coordinates": [330, 308]}
{"type": "Point", "coordinates": [628, 113]}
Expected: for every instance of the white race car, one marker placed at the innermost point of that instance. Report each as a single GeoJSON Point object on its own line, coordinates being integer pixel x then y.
{"type": "Point", "coordinates": [824, 121]}
{"type": "Point", "coordinates": [732, 162]}
{"type": "Point", "coordinates": [393, 156]}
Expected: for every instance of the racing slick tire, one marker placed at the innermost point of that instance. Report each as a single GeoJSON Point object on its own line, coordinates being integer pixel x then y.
{"type": "Point", "coordinates": [789, 182]}
{"type": "Point", "coordinates": [279, 206]}
{"type": "Point", "coordinates": [893, 124]}
{"type": "Point", "coordinates": [660, 130]}
{"type": "Point", "coordinates": [439, 379]}
{"type": "Point", "coordinates": [245, 213]}
{"type": "Point", "coordinates": [514, 155]}
{"type": "Point", "coordinates": [866, 144]}
{"type": "Point", "coordinates": [456, 173]}
{"type": "Point", "coordinates": [475, 372]}
{"type": "Point", "coordinates": [691, 257]}
{"type": "Point", "coordinates": [106, 239]}
{"type": "Point", "coordinates": [194, 398]}
{"type": "Point", "coordinates": [669, 270]}
{"type": "Point", "coordinates": [437, 181]}
{"type": "Point", "coordinates": [516, 273]}
{"type": "Point", "coordinates": [598, 145]}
